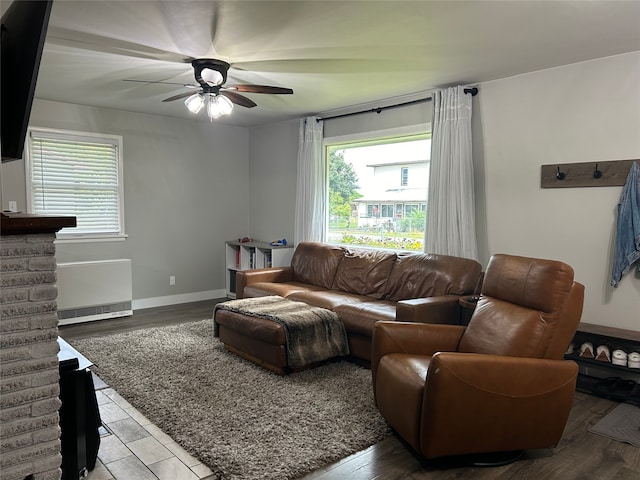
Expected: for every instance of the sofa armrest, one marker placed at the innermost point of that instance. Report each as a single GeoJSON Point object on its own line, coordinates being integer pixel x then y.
{"type": "Point", "coordinates": [442, 309]}
{"type": "Point", "coordinates": [273, 275]}
{"type": "Point", "coordinates": [412, 338]}
{"type": "Point", "coordinates": [524, 402]}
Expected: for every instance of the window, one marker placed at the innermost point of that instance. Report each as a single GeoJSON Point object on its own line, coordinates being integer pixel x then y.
{"type": "Point", "coordinates": [410, 209]}
{"type": "Point", "coordinates": [372, 210]}
{"type": "Point", "coordinates": [387, 211]}
{"type": "Point", "coordinates": [367, 207]}
{"type": "Point", "coordinates": [404, 176]}
{"type": "Point", "coordinates": [77, 174]}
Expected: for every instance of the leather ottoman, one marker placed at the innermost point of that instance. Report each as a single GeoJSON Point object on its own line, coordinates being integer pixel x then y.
{"type": "Point", "coordinates": [260, 341]}
{"type": "Point", "coordinates": [278, 334]}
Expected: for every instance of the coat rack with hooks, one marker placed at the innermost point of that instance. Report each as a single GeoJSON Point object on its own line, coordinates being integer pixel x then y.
{"type": "Point", "coordinates": [610, 173]}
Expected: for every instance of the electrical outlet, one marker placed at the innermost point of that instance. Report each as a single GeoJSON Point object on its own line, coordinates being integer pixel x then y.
{"type": "Point", "coordinates": [172, 279]}
{"type": "Point", "coordinates": [13, 206]}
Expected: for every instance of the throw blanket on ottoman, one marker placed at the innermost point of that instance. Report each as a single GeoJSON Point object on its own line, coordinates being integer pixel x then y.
{"type": "Point", "coordinates": [313, 334]}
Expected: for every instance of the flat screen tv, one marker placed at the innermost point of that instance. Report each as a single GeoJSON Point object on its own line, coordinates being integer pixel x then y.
{"type": "Point", "coordinates": [24, 28]}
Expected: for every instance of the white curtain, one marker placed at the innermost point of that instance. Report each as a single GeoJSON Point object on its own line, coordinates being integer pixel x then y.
{"type": "Point", "coordinates": [311, 183]}
{"type": "Point", "coordinates": [451, 226]}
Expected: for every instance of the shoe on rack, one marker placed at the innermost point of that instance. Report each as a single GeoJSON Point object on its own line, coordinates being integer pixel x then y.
{"type": "Point", "coordinates": [619, 358]}
{"type": "Point", "coordinates": [603, 354]}
{"type": "Point", "coordinates": [586, 350]}
{"type": "Point", "coordinates": [634, 360]}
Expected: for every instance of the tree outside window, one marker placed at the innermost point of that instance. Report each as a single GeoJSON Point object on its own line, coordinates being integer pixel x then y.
{"type": "Point", "coordinates": [343, 190]}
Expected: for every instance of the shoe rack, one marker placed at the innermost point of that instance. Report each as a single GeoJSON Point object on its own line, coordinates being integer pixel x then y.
{"type": "Point", "coordinates": [607, 366]}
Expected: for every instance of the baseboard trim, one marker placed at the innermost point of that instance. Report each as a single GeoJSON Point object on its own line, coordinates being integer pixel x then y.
{"type": "Point", "coordinates": [141, 303]}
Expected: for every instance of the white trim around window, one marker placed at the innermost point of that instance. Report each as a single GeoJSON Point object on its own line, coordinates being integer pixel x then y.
{"type": "Point", "coordinates": [77, 174]}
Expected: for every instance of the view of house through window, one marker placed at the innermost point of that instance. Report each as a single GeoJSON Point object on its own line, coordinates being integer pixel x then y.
{"type": "Point", "coordinates": [378, 192]}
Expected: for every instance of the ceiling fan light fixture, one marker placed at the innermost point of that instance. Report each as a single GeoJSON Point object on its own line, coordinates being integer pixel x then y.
{"type": "Point", "coordinates": [217, 105]}
{"type": "Point", "coordinates": [220, 99]}
{"type": "Point", "coordinates": [195, 103]}
{"type": "Point", "coordinates": [212, 77]}
{"type": "Point", "coordinates": [225, 105]}
{"type": "Point", "coordinates": [213, 109]}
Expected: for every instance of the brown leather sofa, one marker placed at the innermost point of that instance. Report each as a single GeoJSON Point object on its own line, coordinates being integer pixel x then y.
{"type": "Point", "coordinates": [365, 286]}
{"type": "Point", "coordinates": [498, 385]}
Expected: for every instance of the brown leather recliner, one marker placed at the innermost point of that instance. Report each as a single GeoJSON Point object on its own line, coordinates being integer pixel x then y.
{"type": "Point", "coordinates": [500, 384]}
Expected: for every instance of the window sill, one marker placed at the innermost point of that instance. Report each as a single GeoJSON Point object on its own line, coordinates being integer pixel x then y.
{"type": "Point", "coordinates": [90, 238]}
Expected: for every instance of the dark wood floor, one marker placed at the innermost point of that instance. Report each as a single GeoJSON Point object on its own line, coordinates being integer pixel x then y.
{"type": "Point", "coordinates": [580, 454]}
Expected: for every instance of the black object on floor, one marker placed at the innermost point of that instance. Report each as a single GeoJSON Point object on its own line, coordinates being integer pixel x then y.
{"type": "Point", "coordinates": [79, 421]}
{"type": "Point", "coordinates": [618, 389]}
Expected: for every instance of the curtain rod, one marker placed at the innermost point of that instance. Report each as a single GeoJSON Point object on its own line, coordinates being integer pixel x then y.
{"type": "Point", "coordinates": [473, 91]}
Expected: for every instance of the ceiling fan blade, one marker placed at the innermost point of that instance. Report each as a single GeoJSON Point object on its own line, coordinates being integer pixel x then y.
{"type": "Point", "coordinates": [178, 97]}
{"type": "Point", "coordinates": [239, 99]}
{"type": "Point", "coordinates": [259, 89]}
{"type": "Point", "coordinates": [186, 85]}
{"type": "Point", "coordinates": [99, 43]}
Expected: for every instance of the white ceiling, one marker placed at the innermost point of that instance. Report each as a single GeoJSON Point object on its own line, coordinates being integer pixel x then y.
{"type": "Point", "coordinates": [333, 54]}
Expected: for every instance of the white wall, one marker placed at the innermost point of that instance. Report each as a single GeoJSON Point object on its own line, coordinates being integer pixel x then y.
{"type": "Point", "coordinates": [273, 169]}
{"type": "Point", "coordinates": [586, 112]}
{"type": "Point", "coordinates": [186, 191]}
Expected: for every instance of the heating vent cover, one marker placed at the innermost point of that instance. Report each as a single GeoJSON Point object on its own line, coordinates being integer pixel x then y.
{"type": "Point", "coordinates": [94, 290]}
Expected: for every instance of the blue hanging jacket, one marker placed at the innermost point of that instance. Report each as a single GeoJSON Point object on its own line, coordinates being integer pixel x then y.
{"type": "Point", "coordinates": [627, 247]}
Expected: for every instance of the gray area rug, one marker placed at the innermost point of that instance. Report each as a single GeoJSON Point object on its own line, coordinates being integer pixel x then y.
{"type": "Point", "coordinates": [621, 424]}
{"type": "Point", "coordinates": [240, 420]}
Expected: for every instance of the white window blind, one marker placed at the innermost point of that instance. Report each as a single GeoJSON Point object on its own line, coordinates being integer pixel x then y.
{"type": "Point", "coordinates": [79, 175]}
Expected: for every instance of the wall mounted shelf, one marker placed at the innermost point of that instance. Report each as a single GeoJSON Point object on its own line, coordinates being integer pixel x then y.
{"type": "Point", "coordinates": [611, 173]}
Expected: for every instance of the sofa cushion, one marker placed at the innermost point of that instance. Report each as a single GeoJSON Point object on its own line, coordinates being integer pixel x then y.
{"type": "Point", "coordinates": [361, 317]}
{"type": "Point", "coordinates": [429, 275]}
{"type": "Point", "coordinates": [364, 272]}
{"type": "Point", "coordinates": [284, 289]}
{"type": "Point", "coordinates": [329, 299]}
{"type": "Point", "coordinates": [316, 263]}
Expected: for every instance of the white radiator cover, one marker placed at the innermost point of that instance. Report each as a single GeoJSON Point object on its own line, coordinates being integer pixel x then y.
{"type": "Point", "coordinates": [94, 290]}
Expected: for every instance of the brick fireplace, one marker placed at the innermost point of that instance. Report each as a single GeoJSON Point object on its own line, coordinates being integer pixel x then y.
{"type": "Point", "coordinates": [29, 403]}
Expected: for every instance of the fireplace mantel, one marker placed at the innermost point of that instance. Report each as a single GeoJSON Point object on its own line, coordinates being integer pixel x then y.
{"type": "Point", "coordinates": [21, 223]}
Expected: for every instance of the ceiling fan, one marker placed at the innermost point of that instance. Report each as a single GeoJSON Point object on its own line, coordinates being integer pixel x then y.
{"type": "Point", "coordinates": [211, 75]}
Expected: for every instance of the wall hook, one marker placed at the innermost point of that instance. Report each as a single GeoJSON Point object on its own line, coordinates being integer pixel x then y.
{"type": "Point", "coordinates": [594, 173]}
{"type": "Point", "coordinates": [597, 173]}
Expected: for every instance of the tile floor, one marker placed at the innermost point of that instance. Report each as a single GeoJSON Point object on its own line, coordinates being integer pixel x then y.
{"type": "Point", "coordinates": [132, 448]}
